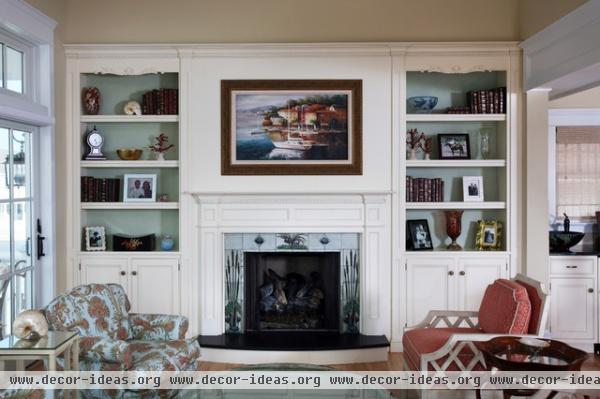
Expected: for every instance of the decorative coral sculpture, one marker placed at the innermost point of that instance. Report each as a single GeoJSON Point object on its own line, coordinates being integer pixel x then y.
{"type": "Point", "coordinates": [161, 146]}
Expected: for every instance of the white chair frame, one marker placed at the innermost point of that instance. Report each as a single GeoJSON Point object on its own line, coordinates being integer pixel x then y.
{"type": "Point", "coordinates": [470, 319]}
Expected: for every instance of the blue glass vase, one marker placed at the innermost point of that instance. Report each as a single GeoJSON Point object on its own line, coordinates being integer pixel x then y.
{"type": "Point", "coordinates": [167, 243]}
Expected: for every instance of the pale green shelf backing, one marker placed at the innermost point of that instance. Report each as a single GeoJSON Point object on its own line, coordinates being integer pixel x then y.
{"type": "Point", "coordinates": [437, 226]}
{"type": "Point", "coordinates": [135, 223]}
{"type": "Point", "coordinates": [116, 90]}
{"type": "Point", "coordinates": [133, 135]}
{"type": "Point", "coordinates": [167, 178]}
{"type": "Point", "coordinates": [452, 177]}
{"type": "Point", "coordinates": [497, 136]}
{"type": "Point", "coordinates": [451, 89]}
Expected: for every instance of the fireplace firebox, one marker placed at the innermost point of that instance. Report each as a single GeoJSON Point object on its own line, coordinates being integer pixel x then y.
{"type": "Point", "coordinates": [292, 291]}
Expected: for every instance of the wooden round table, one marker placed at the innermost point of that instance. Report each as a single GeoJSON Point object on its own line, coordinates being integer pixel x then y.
{"type": "Point", "coordinates": [510, 354]}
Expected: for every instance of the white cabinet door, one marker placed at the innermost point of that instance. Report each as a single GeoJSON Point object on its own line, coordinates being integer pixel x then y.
{"type": "Point", "coordinates": [474, 275]}
{"type": "Point", "coordinates": [572, 305]}
{"type": "Point", "coordinates": [102, 270]}
{"type": "Point", "coordinates": [431, 285]}
{"type": "Point", "coordinates": [155, 285]}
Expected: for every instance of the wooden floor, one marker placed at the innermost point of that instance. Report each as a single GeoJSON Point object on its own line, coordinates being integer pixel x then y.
{"type": "Point", "coordinates": [394, 363]}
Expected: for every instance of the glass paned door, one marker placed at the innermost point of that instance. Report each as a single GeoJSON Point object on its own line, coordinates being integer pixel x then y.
{"type": "Point", "coordinates": [17, 215]}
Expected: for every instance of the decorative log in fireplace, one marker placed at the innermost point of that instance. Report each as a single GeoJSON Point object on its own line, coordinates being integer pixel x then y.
{"type": "Point", "coordinates": [292, 291]}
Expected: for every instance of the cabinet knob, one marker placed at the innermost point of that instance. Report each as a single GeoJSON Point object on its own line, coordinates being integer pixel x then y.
{"type": "Point", "coordinates": [134, 273]}
{"type": "Point", "coordinates": [572, 267]}
{"type": "Point", "coordinates": [590, 290]}
{"type": "Point", "coordinates": [123, 272]}
{"type": "Point", "coordinates": [462, 273]}
{"type": "Point", "coordinates": [451, 273]}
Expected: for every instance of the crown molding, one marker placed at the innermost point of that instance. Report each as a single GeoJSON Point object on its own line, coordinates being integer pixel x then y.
{"type": "Point", "coordinates": [568, 46]}
{"type": "Point", "coordinates": [287, 49]}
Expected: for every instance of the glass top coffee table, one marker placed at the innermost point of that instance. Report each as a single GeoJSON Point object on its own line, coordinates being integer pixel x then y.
{"type": "Point", "coordinates": [529, 354]}
{"type": "Point", "coordinates": [47, 348]}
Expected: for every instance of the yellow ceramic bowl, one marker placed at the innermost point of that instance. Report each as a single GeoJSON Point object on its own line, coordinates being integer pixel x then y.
{"type": "Point", "coordinates": [129, 154]}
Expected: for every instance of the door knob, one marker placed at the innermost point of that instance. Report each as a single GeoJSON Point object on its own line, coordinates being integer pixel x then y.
{"type": "Point", "coordinates": [134, 273]}
{"type": "Point", "coordinates": [451, 273]}
{"type": "Point", "coordinates": [590, 290]}
{"type": "Point", "coordinates": [462, 273]}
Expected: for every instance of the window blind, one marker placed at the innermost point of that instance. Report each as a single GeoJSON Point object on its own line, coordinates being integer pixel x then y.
{"type": "Point", "coordinates": [578, 171]}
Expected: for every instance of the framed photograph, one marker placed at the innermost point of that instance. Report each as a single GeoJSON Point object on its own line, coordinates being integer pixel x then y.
{"type": "Point", "coordinates": [139, 188]}
{"type": "Point", "coordinates": [489, 235]}
{"type": "Point", "coordinates": [418, 235]}
{"type": "Point", "coordinates": [291, 127]}
{"type": "Point", "coordinates": [95, 238]}
{"type": "Point", "coordinates": [473, 188]}
{"type": "Point", "coordinates": [454, 146]}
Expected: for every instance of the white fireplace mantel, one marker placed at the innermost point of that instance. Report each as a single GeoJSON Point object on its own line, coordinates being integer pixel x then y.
{"type": "Point", "coordinates": [350, 212]}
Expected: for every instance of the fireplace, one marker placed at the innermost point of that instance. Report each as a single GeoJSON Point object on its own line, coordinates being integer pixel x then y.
{"type": "Point", "coordinates": [292, 291]}
{"type": "Point", "coordinates": [292, 282]}
{"type": "Point", "coordinates": [355, 227]}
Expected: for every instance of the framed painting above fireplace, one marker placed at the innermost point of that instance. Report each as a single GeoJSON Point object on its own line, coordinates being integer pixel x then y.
{"type": "Point", "coordinates": [291, 127]}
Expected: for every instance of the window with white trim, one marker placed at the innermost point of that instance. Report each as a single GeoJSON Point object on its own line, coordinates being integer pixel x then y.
{"type": "Point", "coordinates": [578, 171]}
{"type": "Point", "coordinates": [14, 61]}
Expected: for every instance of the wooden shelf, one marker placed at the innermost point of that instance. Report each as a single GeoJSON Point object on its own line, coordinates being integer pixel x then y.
{"type": "Point", "coordinates": [456, 205]}
{"type": "Point", "coordinates": [449, 163]}
{"type": "Point", "coordinates": [129, 205]}
{"type": "Point", "coordinates": [129, 164]}
{"type": "Point", "coordinates": [455, 117]}
{"type": "Point", "coordinates": [128, 118]}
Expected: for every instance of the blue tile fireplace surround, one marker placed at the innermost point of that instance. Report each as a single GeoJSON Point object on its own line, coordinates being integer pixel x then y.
{"type": "Point", "coordinates": [292, 282]}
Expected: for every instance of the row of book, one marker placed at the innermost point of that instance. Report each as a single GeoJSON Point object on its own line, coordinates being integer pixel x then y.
{"type": "Point", "coordinates": [161, 102]}
{"type": "Point", "coordinates": [420, 189]}
{"type": "Point", "coordinates": [100, 190]}
{"type": "Point", "coordinates": [492, 101]}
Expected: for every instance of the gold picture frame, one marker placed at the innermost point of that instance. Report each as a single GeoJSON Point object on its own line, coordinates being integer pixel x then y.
{"type": "Point", "coordinates": [489, 235]}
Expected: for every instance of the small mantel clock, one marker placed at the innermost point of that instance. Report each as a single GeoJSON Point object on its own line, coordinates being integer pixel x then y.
{"type": "Point", "coordinates": [95, 141]}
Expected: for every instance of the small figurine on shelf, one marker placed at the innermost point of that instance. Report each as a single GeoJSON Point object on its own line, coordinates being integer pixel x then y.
{"type": "Point", "coordinates": [132, 108]}
{"type": "Point", "coordinates": [167, 243]}
{"type": "Point", "coordinates": [91, 100]}
{"type": "Point", "coordinates": [413, 142]}
{"type": "Point", "coordinates": [426, 145]}
{"type": "Point", "coordinates": [161, 146]}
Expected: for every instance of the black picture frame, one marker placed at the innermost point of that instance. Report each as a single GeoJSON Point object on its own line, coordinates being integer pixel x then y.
{"type": "Point", "coordinates": [464, 152]}
{"type": "Point", "coordinates": [414, 241]}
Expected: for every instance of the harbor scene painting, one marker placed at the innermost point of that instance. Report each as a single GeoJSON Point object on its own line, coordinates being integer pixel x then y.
{"type": "Point", "coordinates": [291, 127]}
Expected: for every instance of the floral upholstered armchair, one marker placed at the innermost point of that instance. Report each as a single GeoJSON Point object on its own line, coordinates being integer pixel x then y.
{"type": "Point", "coordinates": [113, 339]}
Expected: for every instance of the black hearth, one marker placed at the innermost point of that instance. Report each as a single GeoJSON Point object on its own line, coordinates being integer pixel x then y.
{"type": "Point", "coordinates": [292, 291]}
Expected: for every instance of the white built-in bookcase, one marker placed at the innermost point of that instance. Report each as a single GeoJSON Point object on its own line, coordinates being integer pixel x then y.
{"type": "Point", "coordinates": [122, 76]}
{"type": "Point", "coordinates": [442, 279]}
{"type": "Point", "coordinates": [419, 280]}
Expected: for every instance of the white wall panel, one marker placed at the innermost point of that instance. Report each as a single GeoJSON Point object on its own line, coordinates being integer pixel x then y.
{"type": "Point", "coordinates": [205, 126]}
